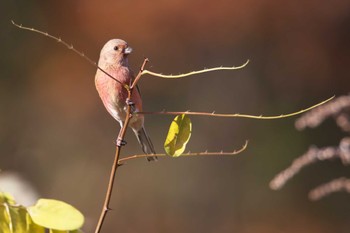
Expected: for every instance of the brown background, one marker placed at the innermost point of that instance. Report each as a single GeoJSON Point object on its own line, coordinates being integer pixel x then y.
{"type": "Point", "coordinates": [55, 132]}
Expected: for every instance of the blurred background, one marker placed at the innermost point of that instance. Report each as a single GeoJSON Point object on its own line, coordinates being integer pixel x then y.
{"type": "Point", "coordinates": [56, 134]}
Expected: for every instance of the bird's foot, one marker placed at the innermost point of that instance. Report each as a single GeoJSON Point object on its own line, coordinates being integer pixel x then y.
{"type": "Point", "coordinates": [120, 142]}
{"type": "Point", "coordinates": [130, 103]}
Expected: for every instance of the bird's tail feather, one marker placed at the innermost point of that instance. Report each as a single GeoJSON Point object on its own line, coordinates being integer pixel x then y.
{"type": "Point", "coordinates": [146, 143]}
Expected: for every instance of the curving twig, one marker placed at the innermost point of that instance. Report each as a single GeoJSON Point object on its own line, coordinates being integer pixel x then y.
{"type": "Point", "coordinates": [338, 108]}
{"type": "Point", "coordinates": [69, 46]}
{"type": "Point", "coordinates": [171, 76]}
{"type": "Point", "coordinates": [336, 185]}
{"type": "Point", "coordinates": [206, 153]}
{"type": "Point", "coordinates": [237, 115]}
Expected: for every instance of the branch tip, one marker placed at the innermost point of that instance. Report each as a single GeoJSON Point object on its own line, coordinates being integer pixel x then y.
{"type": "Point", "coordinates": [205, 70]}
{"type": "Point", "coordinates": [189, 153]}
{"type": "Point", "coordinates": [237, 115]}
{"type": "Point", "coordinates": [68, 46]}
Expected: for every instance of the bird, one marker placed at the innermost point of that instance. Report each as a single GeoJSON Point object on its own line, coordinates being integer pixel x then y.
{"type": "Point", "coordinates": [114, 61]}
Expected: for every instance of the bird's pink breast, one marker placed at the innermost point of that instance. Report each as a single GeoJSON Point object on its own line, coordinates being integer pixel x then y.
{"type": "Point", "coordinates": [112, 93]}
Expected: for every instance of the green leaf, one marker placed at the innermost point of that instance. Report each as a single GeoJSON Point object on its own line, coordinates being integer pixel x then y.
{"type": "Point", "coordinates": [4, 219]}
{"type": "Point", "coordinates": [178, 135]}
{"type": "Point", "coordinates": [14, 218]}
{"type": "Point", "coordinates": [7, 198]}
{"type": "Point", "coordinates": [57, 231]}
{"type": "Point", "coordinates": [18, 219]}
{"type": "Point", "coordinates": [34, 228]}
{"type": "Point", "coordinates": [56, 215]}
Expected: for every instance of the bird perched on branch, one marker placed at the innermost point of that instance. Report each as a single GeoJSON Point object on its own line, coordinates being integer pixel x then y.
{"type": "Point", "coordinates": [114, 61]}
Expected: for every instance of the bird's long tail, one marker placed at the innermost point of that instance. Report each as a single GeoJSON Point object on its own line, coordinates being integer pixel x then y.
{"type": "Point", "coordinates": [146, 143]}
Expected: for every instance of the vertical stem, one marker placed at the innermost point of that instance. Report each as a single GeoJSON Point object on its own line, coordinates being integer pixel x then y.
{"type": "Point", "coordinates": [139, 74]}
{"type": "Point", "coordinates": [109, 191]}
{"type": "Point", "coordinates": [115, 166]}
{"type": "Point", "coordinates": [114, 170]}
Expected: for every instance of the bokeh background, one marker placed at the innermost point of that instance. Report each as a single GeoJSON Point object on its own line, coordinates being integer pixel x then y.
{"type": "Point", "coordinates": [55, 133]}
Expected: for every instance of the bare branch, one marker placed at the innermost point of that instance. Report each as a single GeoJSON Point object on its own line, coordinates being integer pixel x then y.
{"type": "Point", "coordinates": [193, 72]}
{"type": "Point", "coordinates": [343, 121]}
{"type": "Point", "coordinates": [317, 116]}
{"type": "Point", "coordinates": [336, 185]}
{"type": "Point", "coordinates": [339, 110]}
{"type": "Point", "coordinates": [344, 150]}
{"type": "Point", "coordinates": [116, 157]}
{"type": "Point", "coordinates": [140, 73]}
{"type": "Point", "coordinates": [237, 115]}
{"type": "Point", "coordinates": [69, 46]}
{"type": "Point", "coordinates": [206, 153]}
{"type": "Point", "coordinates": [311, 156]}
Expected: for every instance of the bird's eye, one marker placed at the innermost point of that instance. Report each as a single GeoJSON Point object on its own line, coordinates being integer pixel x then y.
{"type": "Point", "coordinates": [116, 48]}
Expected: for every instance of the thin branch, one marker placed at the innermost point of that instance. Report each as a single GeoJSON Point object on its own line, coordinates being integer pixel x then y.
{"type": "Point", "coordinates": [115, 166]}
{"type": "Point", "coordinates": [315, 117]}
{"type": "Point", "coordinates": [344, 150]}
{"type": "Point", "coordinates": [237, 115]}
{"type": "Point", "coordinates": [70, 47]}
{"type": "Point", "coordinates": [193, 72]}
{"type": "Point", "coordinates": [313, 155]}
{"type": "Point", "coordinates": [343, 121]}
{"type": "Point", "coordinates": [139, 74]}
{"type": "Point", "coordinates": [221, 153]}
{"type": "Point", "coordinates": [336, 185]}
{"type": "Point", "coordinates": [116, 157]}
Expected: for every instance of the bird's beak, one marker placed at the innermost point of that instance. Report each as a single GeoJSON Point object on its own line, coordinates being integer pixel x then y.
{"type": "Point", "coordinates": [127, 50]}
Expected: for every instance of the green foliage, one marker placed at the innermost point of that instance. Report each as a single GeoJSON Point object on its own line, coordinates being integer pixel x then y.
{"type": "Point", "coordinates": [52, 214]}
{"type": "Point", "coordinates": [7, 198]}
{"type": "Point", "coordinates": [55, 214]}
{"type": "Point", "coordinates": [178, 135]}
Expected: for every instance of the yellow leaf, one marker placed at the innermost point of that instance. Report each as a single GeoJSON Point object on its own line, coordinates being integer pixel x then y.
{"type": "Point", "coordinates": [56, 215]}
{"type": "Point", "coordinates": [4, 219]}
{"type": "Point", "coordinates": [7, 198]}
{"type": "Point", "coordinates": [178, 135]}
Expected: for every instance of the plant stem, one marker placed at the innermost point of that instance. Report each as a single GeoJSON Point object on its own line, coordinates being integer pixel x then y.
{"type": "Point", "coordinates": [115, 165]}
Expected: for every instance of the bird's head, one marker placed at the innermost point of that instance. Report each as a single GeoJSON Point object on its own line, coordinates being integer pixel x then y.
{"type": "Point", "coordinates": [115, 52]}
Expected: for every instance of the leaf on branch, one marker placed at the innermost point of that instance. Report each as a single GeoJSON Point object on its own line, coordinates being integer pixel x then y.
{"type": "Point", "coordinates": [178, 135]}
{"type": "Point", "coordinates": [32, 226]}
{"type": "Point", "coordinates": [14, 218]}
{"type": "Point", "coordinates": [18, 218]}
{"type": "Point", "coordinates": [57, 231]}
{"type": "Point", "coordinates": [56, 215]}
{"type": "Point", "coordinates": [6, 198]}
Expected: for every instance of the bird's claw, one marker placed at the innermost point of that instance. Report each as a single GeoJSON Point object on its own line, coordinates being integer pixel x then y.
{"type": "Point", "coordinates": [120, 142]}
{"type": "Point", "coordinates": [130, 103]}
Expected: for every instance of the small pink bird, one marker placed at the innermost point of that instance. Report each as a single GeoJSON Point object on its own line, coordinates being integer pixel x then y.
{"type": "Point", "coordinates": [114, 60]}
